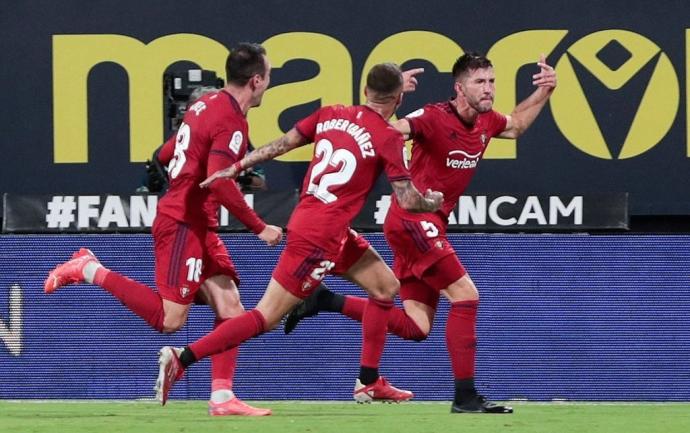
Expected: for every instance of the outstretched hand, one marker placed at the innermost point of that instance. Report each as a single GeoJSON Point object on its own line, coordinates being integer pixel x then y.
{"type": "Point", "coordinates": [546, 77]}
{"type": "Point", "coordinates": [230, 172]}
{"type": "Point", "coordinates": [272, 235]}
{"type": "Point", "coordinates": [409, 79]}
{"type": "Point", "coordinates": [436, 197]}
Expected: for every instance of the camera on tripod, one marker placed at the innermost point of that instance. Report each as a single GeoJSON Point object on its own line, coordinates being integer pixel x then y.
{"type": "Point", "coordinates": [178, 87]}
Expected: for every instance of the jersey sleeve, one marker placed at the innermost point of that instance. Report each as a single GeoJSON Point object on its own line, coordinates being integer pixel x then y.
{"type": "Point", "coordinates": [167, 150]}
{"type": "Point", "coordinates": [228, 143]}
{"type": "Point", "coordinates": [497, 123]}
{"type": "Point", "coordinates": [229, 146]}
{"type": "Point", "coordinates": [307, 126]}
{"type": "Point", "coordinates": [420, 123]}
{"type": "Point", "coordinates": [394, 161]}
{"type": "Point", "coordinates": [227, 193]}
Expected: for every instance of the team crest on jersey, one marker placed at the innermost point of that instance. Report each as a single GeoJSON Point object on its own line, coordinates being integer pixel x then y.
{"type": "Point", "coordinates": [306, 285]}
{"type": "Point", "coordinates": [484, 138]}
{"type": "Point", "coordinates": [184, 291]}
{"type": "Point", "coordinates": [236, 142]}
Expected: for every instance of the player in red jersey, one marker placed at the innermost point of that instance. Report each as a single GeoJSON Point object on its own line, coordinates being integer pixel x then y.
{"type": "Point", "coordinates": [449, 140]}
{"type": "Point", "coordinates": [220, 291]}
{"type": "Point", "coordinates": [352, 146]}
{"type": "Point", "coordinates": [191, 261]}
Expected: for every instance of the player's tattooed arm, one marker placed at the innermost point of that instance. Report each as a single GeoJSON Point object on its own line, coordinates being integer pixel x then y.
{"type": "Point", "coordinates": [284, 144]}
{"type": "Point", "coordinates": [412, 200]}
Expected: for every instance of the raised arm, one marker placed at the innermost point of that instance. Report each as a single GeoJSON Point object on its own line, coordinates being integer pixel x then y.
{"type": "Point", "coordinates": [284, 144]}
{"type": "Point", "coordinates": [409, 85]}
{"type": "Point", "coordinates": [526, 111]}
{"type": "Point", "coordinates": [403, 125]}
{"type": "Point", "coordinates": [410, 79]}
{"type": "Point", "coordinates": [412, 200]}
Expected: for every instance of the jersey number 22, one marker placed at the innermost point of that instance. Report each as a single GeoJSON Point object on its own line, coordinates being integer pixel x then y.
{"type": "Point", "coordinates": [341, 157]}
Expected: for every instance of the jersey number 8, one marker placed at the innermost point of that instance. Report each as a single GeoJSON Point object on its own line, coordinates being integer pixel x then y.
{"type": "Point", "coordinates": [184, 134]}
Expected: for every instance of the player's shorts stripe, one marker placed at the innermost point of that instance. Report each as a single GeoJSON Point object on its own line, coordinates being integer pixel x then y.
{"type": "Point", "coordinates": [417, 235]}
{"type": "Point", "coordinates": [178, 248]}
{"type": "Point", "coordinates": [308, 263]}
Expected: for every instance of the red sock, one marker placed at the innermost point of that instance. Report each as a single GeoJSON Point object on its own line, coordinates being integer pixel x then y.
{"type": "Point", "coordinates": [374, 331]}
{"type": "Point", "coordinates": [354, 307]}
{"type": "Point", "coordinates": [139, 298]}
{"type": "Point", "coordinates": [223, 365]}
{"type": "Point", "coordinates": [399, 323]}
{"type": "Point", "coordinates": [231, 333]}
{"type": "Point", "coordinates": [461, 338]}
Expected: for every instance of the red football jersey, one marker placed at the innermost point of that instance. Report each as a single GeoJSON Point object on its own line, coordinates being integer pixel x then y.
{"type": "Point", "coordinates": [446, 151]}
{"type": "Point", "coordinates": [213, 135]}
{"type": "Point", "coordinates": [353, 145]}
{"type": "Point", "coordinates": [210, 205]}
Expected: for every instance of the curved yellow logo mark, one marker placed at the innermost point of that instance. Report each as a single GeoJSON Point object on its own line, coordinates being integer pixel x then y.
{"type": "Point", "coordinates": [657, 108]}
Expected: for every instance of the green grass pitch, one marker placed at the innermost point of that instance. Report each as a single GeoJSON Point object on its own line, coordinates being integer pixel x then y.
{"type": "Point", "coordinates": [339, 417]}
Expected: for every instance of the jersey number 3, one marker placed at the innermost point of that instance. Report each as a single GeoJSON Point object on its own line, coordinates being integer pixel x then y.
{"type": "Point", "coordinates": [342, 158]}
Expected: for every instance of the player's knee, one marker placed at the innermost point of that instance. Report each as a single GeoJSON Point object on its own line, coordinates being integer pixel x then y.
{"type": "Point", "coordinates": [420, 336]}
{"type": "Point", "coordinates": [172, 324]}
{"type": "Point", "coordinates": [386, 291]}
{"type": "Point", "coordinates": [170, 329]}
{"type": "Point", "coordinates": [463, 290]}
{"type": "Point", "coordinates": [417, 332]}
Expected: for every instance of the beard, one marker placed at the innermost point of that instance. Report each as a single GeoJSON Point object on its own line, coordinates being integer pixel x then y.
{"type": "Point", "coordinates": [483, 106]}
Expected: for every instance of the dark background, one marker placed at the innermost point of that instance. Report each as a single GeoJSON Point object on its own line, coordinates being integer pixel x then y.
{"type": "Point", "coordinates": [547, 163]}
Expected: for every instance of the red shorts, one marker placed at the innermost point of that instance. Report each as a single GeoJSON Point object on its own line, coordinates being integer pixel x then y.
{"type": "Point", "coordinates": [416, 290]}
{"type": "Point", "coordinates": [302, 265]}
{"type": "Point", "coordinates": [183, 262]}
{"type": "Point", "coordinates": [179, 251]}
{"type": "Point", "coordinates": [421, 252]}
{"type": "Point", "coordinates": [427, 289]}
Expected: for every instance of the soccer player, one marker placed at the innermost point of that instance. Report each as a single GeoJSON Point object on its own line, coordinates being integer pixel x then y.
{"type": "Point", "coordinates": [353, 145]}
{"type": "Point", "coordinates": [449, 140]}
{"type": "Point", "coordinates": [221, 279]}
{"type": "Point", "coordinates": [192, 263]}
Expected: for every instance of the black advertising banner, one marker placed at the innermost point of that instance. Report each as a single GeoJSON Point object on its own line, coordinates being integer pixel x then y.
{"type": "Point", "coordinates": [84, 99]}
{"type": "Point", "coordinates": [521, 212]}
{"type": "Point", "coordinates": [114, 213]}
{"type": "Point", "coordinates": [493, 212]}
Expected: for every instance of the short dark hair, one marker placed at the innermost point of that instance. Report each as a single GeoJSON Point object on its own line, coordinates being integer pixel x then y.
{"type": "Point", "coordinates": [469, 62]}
{"type": "Point", "coordinates": [386, 80]}
{"type": "Point", "coordinates": [245, 61]}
